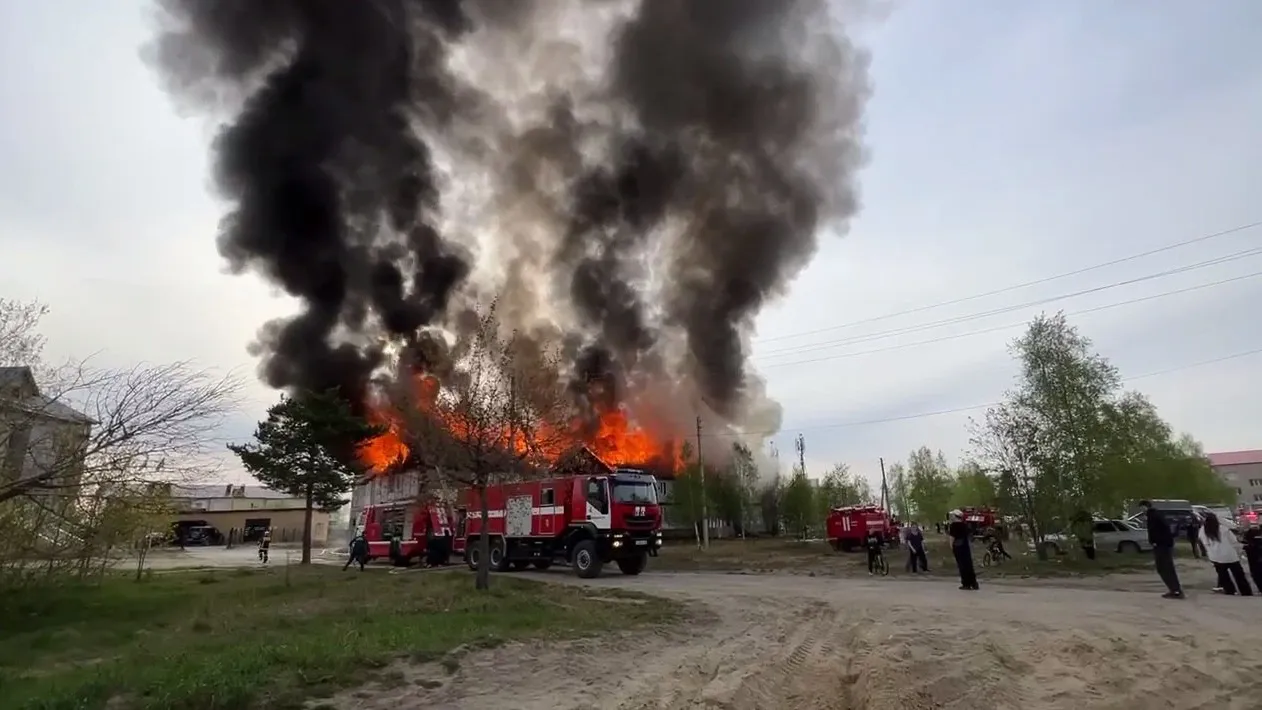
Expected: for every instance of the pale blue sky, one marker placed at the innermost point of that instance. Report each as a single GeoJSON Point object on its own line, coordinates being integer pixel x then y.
{"type": "Point", "coordinates": [1010, 141]}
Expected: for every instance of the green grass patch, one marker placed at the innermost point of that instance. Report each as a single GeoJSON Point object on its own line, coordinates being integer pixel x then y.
{"type": "Point", "coordinates": [237, 639]}
{"type": "Point", "coordinates": [770, 555]}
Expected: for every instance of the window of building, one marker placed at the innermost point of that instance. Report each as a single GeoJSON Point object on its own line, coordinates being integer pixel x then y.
{"type": "Point", "coordinates": [1257, 497]}
{"type": "Point", "coordinates": [1255, 482]}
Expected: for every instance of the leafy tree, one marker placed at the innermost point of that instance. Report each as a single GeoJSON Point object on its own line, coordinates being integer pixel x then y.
{"type": "Point", "coordinates": [1069, 439]}
{"type": "Point", "coordinates": [839, 487]}
{"type": "Point", "coordinates": [723, 492]}
{"type": "Point", "coordinates": [771, 504]}
{"type": "Point", "coordinates": [306, 448]}
{"type": "Point", "coordinates": [929, 484]}
{"type": "Point", "coordinates": [744, 473]}
{"type": "Point", "coordinates": [687, 494]}
{"type": "Point", "coordinates": [1067, 387]}
{"type": "Point", "coordinates": [900, 492]}
{"type": "Point", "coordinates": [973, 487]}
{"type": "Point", "coordinates": [74, 431]}
{"type": "Point", "coordinates": [798, 503]}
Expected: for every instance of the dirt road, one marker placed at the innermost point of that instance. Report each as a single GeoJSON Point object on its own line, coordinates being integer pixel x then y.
{"type": "Point", "coordinates": [805, 643]}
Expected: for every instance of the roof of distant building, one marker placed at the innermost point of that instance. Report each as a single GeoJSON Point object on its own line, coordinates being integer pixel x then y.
{"type": "Point", "coordinates": [14, 375]}
{"type": "Point", "coordinates": [226, 490]}
{"type": "Point", "coordinates": [39, 402]}
{"type": "Point", "coordinates": [1235, 458]}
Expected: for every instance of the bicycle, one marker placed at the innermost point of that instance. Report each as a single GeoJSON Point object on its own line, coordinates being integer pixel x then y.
{"type": "Point", "coordinates": [882, 566]}
{"type": "Point", "coordinates": [991, 556]}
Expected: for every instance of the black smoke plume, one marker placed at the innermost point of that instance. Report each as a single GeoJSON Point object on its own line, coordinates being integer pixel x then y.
{"type": "Point", "coordinates": [334, 192]}
{"type": "Point", "coordinates": [748, 140]}
{"type": "Point", "coordinates": [642, 217]}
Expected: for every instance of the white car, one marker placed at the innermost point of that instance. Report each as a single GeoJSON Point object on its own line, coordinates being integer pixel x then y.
{"type": "Point", "coordinates": [1112, 535]}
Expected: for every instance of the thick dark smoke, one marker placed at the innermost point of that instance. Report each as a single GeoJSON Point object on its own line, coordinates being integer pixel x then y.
{"type": "Point", "coordinates": [644, 217]}
{"type": "Point", "coordinates": [334, 191]}
{"type": "Point", "coordinates": [747, 141]}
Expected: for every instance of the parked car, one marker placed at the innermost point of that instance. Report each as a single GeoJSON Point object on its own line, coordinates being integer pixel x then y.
{"type": "Point", "coordinates": [1225, 516]}
{"type": "Point", "coordinates": [1112, 535]}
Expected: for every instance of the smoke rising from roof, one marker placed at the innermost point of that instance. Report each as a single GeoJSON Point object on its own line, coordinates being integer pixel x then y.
{"type": "Point", "coordinates": [641, 177]}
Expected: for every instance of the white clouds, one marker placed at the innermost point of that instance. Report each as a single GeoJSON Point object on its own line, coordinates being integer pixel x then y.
{"type": "Point", "coordinates": [1010, 141]}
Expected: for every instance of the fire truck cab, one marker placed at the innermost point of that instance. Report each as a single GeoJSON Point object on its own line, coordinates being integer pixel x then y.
{"type": "Point", "coordinates": [586, 521]}
{"type": "Point", "coordinates": [411, 523]}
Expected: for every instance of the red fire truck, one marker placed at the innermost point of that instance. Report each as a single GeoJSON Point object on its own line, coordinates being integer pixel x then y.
{"type": "Point", "coordinates": [846, 527]}
{"type": "Point", "coordinates": [412, 523]}
{"type": "Point", "coordinates": [978, 518]}
{"type": "Point", "coordinates": [584, 520]}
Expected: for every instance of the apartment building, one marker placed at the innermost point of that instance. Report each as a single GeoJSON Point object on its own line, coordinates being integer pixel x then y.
{"type": "Point", "coordinates": [1242, 470]}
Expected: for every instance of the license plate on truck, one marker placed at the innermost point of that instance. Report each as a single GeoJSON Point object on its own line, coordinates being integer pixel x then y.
{"type": "Point", "coordinates": [641, 542]}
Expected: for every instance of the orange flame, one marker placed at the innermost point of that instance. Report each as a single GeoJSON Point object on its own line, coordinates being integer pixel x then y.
{"type": "Point", "coordinates": [617, 439]}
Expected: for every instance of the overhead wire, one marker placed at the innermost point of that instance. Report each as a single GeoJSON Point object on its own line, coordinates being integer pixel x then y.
{"type": "Point", "coordinates": [879, 335]}
{"type": "Point", "coordinates": [1009, 326]}
{"type": "Point", "coordinates": [972, 407]}
{"type": "Point", "coordinates": [1015, 287]}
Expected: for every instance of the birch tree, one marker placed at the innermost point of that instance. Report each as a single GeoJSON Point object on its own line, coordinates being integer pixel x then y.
{"type": "Point", "coordinates": [493, 413]}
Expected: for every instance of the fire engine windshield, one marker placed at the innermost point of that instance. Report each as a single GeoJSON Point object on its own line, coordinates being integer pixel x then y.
{"type": "Point", "coordinates": [634, 492]}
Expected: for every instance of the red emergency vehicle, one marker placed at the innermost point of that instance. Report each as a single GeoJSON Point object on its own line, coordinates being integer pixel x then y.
{"type": "Point", "coordinates": [413, 523]}
{"type": "Point", "coordinates": [585, 520]}
{"type": "Point", "coordinates": [847, 526]}
{"type": "Point", "coordinates": [978, 518]}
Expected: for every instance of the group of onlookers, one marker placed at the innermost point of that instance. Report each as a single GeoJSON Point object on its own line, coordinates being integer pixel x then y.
{"type": "Point", "coordinates": [1211, 540]}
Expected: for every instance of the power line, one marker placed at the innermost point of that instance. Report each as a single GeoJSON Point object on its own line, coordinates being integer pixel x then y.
{"type": "Point", "coordinates": [1014, 287]}
{"type": "Point", "coordinates": [879, 335]}
{"type": "Point", "coordinates": [1009, 326]}
{"type": "Point", "coordinates": [957, 410]}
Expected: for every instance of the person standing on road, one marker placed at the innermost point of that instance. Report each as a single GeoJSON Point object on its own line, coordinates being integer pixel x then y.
{"type": "Point", "coordinates": [1221, 550]}
{"type": "Point", "coordinates": [1253, 553]}
{"type": "Point", "coordinates": [265, 543]}
{"type": "Point", "coordinates": [1161, 537]}
{"type": "Point", "coordinates": [915, 538]}
{"type": "Point", "coordinates": [962, 550]}
{"type": "Point", "coordinates": [873, 542]}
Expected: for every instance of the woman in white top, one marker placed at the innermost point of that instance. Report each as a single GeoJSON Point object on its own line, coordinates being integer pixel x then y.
{"type": "Point", "coordinates": [1220, 547]}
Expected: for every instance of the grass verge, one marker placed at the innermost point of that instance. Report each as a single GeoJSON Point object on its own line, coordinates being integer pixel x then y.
{"type": "Point", "coordinates": [236, 639]}
{"type": "Point", "coordinates": [767, 555]}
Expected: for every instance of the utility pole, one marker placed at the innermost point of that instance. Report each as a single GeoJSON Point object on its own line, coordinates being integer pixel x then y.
{"type": "Point", "coordinates": [885, 490]}
{"type": "Point", "coordinates": [800, 444]}
{"type": "Point", "coordinates": [705, 514]}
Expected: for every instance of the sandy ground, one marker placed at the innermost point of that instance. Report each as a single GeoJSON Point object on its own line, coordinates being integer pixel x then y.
{"type": "Point", "coordinates": [801, 643]}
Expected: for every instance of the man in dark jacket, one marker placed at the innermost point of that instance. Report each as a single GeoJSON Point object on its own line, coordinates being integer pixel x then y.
{"type": "Point", "coordinates": [358, 552]}
{"type": "Point", "coordinates": [1162, 540]}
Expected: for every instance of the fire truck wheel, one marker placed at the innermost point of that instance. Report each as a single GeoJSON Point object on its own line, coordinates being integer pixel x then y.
{"type": "Point", "coordinates": [471, 558]}
{"type": "Point", "coordinates": [633, 565]}
{"type": "Point", "coordinates": [498, 562]}
{"type": "Point", "coordinates": [586, 562]}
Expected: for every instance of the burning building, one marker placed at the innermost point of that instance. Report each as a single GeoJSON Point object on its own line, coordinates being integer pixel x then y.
{"type": "Point", "coordinates": [631, 180]}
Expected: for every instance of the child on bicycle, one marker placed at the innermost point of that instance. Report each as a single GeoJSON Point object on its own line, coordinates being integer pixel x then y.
{"type": "Point", "coordinates": [994, 544]}
{"type": "Point", "coordinates": [873, 542]}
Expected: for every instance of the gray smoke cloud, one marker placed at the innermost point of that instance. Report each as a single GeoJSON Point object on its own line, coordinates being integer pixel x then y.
{"type": "Point", "coordinates": [635, 180]}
